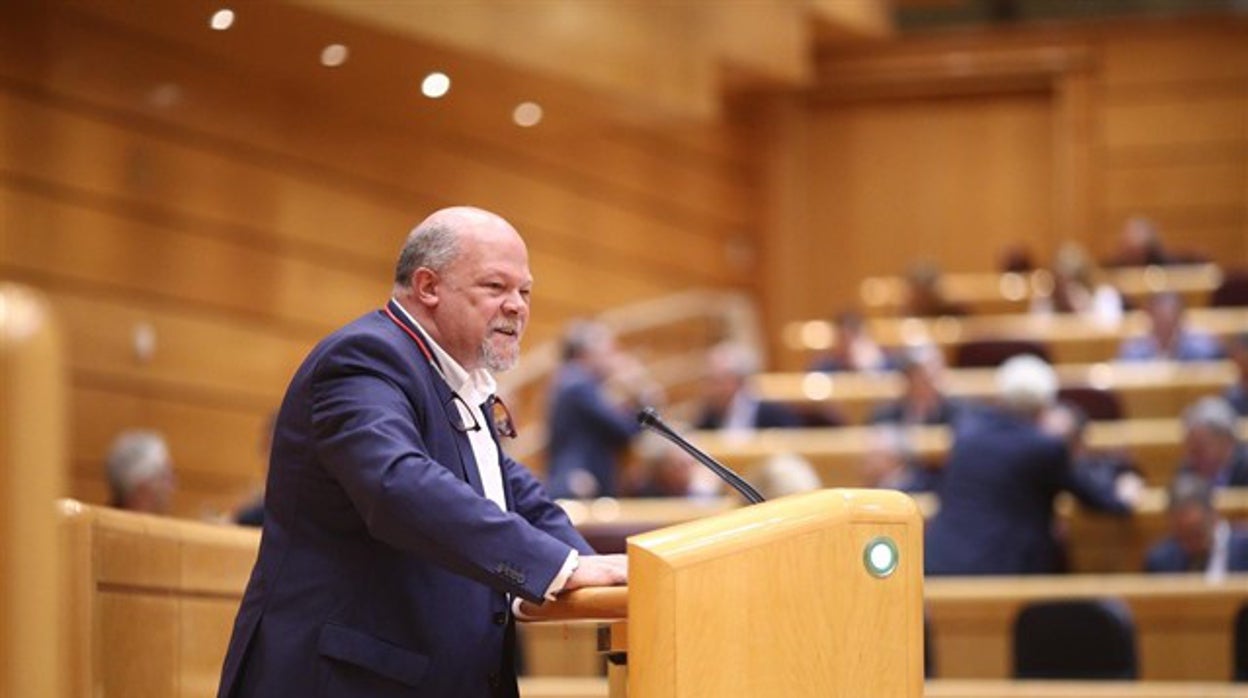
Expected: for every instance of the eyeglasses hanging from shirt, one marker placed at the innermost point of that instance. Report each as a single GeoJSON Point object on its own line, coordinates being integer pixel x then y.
{"type": "Point", "coordinates": [500, 416]}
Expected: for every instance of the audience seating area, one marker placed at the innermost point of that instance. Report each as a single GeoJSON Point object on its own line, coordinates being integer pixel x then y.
{"type": "Point", "coordinates": [1067, 338]}
{"type": "Point", "coordinates": [1142, 389]}
{"type": "Point", "coordinates": [1153, 445]}
{"type": "Point", "coordinates": [988, 293]}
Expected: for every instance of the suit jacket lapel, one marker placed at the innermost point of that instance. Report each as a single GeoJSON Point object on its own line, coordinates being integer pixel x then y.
{"type": "Point", "coordinates": [446, 401]}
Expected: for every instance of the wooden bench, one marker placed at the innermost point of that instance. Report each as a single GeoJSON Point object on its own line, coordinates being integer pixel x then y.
{"type": "Point", "coordinates": [1183, 627]}
{"type": "Point", "coordinates": [1152, 389]}
{"type": "Point", "coordinates": [1183, 623]}
{"type": "Point", "coordinates": [1070, 339]}
{"type": "Point", "coordinates": [150, 601]}
{"type": "Point", "coordinates": [580, 687]}
{"type": "Point", "coordinates": [1097, 543]}
{"type": "Point", "coordinates": [1154, 445]}
{"type": "Point", "coordinates": [990, 292]}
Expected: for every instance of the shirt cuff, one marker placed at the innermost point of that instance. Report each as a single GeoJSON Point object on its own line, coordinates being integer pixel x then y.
{"type": "Point", "coordinates": [561, 580]}
{"type": "Point", "coordinates": [556, 585]}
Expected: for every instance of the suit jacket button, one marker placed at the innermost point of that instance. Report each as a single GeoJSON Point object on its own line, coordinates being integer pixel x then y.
{"type": "Point", "coordinates": [500, 618]}
{"type": "Point", "coordinates": [494, 681]}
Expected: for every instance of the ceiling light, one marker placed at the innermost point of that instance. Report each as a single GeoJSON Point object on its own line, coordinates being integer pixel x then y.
{"type": "Point", "coordinates": [527, 114]}
{"type": "Point", "coordinates": [334, 55]}
{"type": "Point", "coordinates": [222, 19]}
{"type": "Point", "coordinates": [435, 85]}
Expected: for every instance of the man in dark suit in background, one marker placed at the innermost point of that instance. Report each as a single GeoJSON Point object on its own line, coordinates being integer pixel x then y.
{"type": "Point", "coordinates": [396, 531]}
{"type": "Point", "coordinates": [727, 400]}
{"type": "Point", "coordinates": [1211, 446]}
{"type": "Point", "coordinates": [1003, 473]}
{"type": "Point", "coordinates": [1199, 540]}
{"type": "Point", "coordinates": [594, 399]}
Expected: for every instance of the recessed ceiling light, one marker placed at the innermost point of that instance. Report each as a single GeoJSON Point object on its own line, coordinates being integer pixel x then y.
{"type": "Point", "coordinates": [527, 114]}
{"type": "Point", "coordinates": [435, 85]}
{"type": "Point", "coordinates": [334, 55]}
{"type": "Point", "coordinates": [222, 19]}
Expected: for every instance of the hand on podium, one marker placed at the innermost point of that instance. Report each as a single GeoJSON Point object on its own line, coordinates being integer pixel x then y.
{"type": "Point", "coordinates": [599, 571]}
{"type": "Point", "coordinates": [591, 571]}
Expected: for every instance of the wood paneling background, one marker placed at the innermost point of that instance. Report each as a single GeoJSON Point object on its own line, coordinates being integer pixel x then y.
{"type": "Point", "coordinates": [234, 199]}
{"type": "Point", "coordinates": [949, 147]}
{"type": "Point", "coordinates": [224, 193]}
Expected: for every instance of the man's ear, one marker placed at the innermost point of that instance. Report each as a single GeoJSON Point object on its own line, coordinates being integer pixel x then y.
{"type": "Point", "coordinates": [425, 286]}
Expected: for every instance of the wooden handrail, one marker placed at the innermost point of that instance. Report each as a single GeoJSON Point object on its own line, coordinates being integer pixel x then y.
{"type": "Point", "coordinates": [32, 475]}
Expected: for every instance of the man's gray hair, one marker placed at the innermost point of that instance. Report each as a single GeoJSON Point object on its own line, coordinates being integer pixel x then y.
{"type": "Point", "coordinates": [1026, 383]}
{"type": "Point", "coordinates": [1213, 413]}
{"type": "Point", "coordinates": [1189, 489]}
{"type": "Point", "coordinates": [135, 457]}
{"type": "Point", "coordinates": [430, 245]}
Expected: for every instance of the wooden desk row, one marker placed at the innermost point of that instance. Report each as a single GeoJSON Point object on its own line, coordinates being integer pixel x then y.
{"type": "Point", "coordinates": [1070, 339]}
{"type": "Point", "coordinates": [837, 453]}
{"type": "Point", "coordinates": [1097, 543]}
{"type": "Point", "coordinates": [1183, 624]}
{"type": "Point", "coordinates": [1151, 389]}
{"type": "Point", "coordinates": [590, 687]}
{"type": "Point", "coordinates": [1012, 291]}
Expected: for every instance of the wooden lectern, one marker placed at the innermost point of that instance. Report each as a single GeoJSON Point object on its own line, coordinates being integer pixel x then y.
{"type": "Point", "coordinates": [819, 594]}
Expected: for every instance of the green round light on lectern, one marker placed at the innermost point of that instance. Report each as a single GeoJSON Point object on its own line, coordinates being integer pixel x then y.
{"type": "Point", "coordinates": [880, 556]}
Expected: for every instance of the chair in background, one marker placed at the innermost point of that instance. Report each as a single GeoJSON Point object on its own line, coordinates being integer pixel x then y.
{"type": "Point", "coordinates": [1239, 660]}
{"type": "Point", "coordinates": [990, 353]}
{"type": "Point", "coordinates": [1098, 403]}
{"type": "Point", "coordinates": [1092, 639]}
{"type": "Point", "coordinates": [1233, 291]}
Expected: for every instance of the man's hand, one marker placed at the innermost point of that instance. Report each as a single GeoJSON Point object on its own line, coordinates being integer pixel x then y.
{"type": "Point", "coordinates": [599, 571]}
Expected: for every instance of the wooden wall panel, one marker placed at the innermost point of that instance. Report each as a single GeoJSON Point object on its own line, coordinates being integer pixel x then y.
{"type": "Point", "coordinates": [241, 202]}
{"type": "Point", "coordinates": [866, 175]}
{"type": "Point", "coordinates": [1173, 53]}
{"type": "Point", "coordinates": [1217, 184]}
{"type": "Point", "coordinates": [952, 180]}
{"type": "Point", "coordinates": [1176, 121]}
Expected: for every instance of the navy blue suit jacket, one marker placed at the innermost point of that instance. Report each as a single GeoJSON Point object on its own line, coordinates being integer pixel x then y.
{"type": "Point", "coordinates": [996, 498]}
{"type": "Point", "coordinates": [383, 570]}
{"type": "Point", "coordinates": [587, 432]}
{"type": "Point", "coordinates": [1166, 556]}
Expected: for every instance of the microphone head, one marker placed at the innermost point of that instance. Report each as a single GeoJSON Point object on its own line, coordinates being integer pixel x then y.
{"type": "Point", "coordinates": [648, 417]}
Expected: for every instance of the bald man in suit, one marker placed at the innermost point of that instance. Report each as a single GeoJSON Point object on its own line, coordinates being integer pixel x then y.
{"type": "Point", "coordinates": [396, 531]}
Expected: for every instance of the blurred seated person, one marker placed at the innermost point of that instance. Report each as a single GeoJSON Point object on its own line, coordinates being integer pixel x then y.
{"type": "Point", "coordinates": [783, 474]}
{"type": "Point", "coordinates": [1199, 540]}
{"type": "Point", "coordinates": [890, 463]}
{"type": "Point", "coordinates": [666, 470]}
{"type": "Point", "coordinates": [1079, 287]}
{"type": "Point", "coordinates": [1000, 480]}
{"type": "Point", "coordinates": [925, 296]}
{"type": "Point", "coordinates": [727, 401]}
{"type": "Point", "coordinates": [1211, 446]}
{"type": "Point", "coordinates": [1106, 470]}
{"type": "Point", "coordinates": [1016, 258]}
{"type": "Point", "coordinates": [852, 348]}
{"type": "Point", "coordinates": [922, 400]}
{"type": "Point", "coordinates": [1139, 245]}
{"type": "Point", "coordinates": [1168, 337]}
{"type": "Point", "coordinates": [594, 399]}
{"type": "Point", "coordinates": [140, 472]}
{"type": "Point", "coordinates": [1237, 394]}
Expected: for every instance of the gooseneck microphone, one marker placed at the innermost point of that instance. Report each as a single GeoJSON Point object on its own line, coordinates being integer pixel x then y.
{"type": "Point", "coordinates": [649, 418]}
